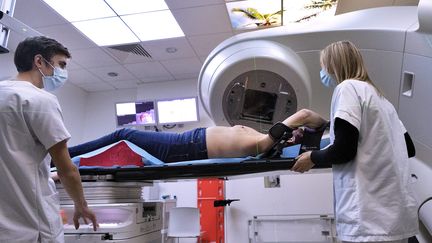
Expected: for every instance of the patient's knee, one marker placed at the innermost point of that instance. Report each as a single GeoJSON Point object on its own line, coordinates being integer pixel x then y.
{"type": "Point", "coordinates": [123, 134]}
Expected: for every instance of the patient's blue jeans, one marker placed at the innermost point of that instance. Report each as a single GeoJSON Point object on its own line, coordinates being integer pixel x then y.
{"type": "Point", "coordinates": [166, 146]}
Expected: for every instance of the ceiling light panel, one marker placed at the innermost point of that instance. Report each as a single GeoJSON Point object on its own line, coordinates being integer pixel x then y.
{"type": "Point", "coordinates": [97, 30]}
{"type": "Point", "coordinates": [78, 10]}
{"type": "Point", "coordinates": [153, 25]}
{"type": "Point", "coordinates": [136, 6]}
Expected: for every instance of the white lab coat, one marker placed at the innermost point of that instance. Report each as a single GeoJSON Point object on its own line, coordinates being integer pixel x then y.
{"type": "Point", "coordinates": [373, 201]}
{"type": "Point", "coordinates": [30, 123]}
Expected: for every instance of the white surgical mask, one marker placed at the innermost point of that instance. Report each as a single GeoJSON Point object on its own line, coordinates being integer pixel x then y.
{"type": "Point", "coordinates": [327, 79]}
{"type": "Point", "coordinates": [55, 81]}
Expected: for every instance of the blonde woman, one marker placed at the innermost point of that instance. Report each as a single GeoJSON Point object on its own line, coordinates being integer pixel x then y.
{"type": "Point", "coordinates": [369, 154]}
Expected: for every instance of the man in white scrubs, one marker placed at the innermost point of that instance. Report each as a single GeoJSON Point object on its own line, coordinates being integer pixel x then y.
{"type": "Point", "coordinates": [31, 126]}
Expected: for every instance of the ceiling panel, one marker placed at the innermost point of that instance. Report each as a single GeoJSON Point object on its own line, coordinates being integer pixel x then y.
{"type": "Point", "coordinates": [93, 57]}
{"type": "Point", "coordinates": [148, 70]}
{"type": "Point", "coordinates": [72, 65]}
{"type": "Point", "coordinates": [96, 87]}
{"type": "Point", "coordinates": [173, 48]}
{"type": "Point", "coordinates": [204, 44]}
{"type": "Point", "coordinates": [183, 66]}
{"type": "Point", "coordinates": [184, 76]}
{"type": "Point", "coordinates": [127, 84]}
{"type": "Point", "coordinates": [79, 76]}
{"type": "Point", "coordinates": [122, 73]}
{"type": "Point", "coordinates": [156, 79]}
{"type": "Point", "coordinates": [176, 4]}
{"type": "Point", "coordinates": [68, 35]}
{"type": "Point", "coordinates": [36, 13]}
{"type": "Point", "coordinates": [203, 20]}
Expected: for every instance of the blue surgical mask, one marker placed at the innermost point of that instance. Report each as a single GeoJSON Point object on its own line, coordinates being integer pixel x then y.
{"type": "Point", "coordinates": [327, 79]}
{"type": "Point", "coordinates": [55, 81]}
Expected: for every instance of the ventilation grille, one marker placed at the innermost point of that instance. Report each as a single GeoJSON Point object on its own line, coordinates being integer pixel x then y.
{"type": "Point", "coordinates": [136, 49]}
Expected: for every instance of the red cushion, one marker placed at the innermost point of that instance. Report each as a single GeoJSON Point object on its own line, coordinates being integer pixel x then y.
{"type": "Point", "coordinates": [118, 155]}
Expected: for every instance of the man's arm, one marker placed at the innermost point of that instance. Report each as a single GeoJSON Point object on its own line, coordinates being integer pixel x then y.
{"type": "Point", "coordinates": [71, 180]}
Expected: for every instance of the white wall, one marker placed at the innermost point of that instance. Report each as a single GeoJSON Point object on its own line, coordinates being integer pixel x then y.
{"type": "Point", "coordinates": [99, 118]}
{"type": "Point", "coordinates": [7, 67]}
{"type": "Point", "coordinates": [304, 194]}
{"type": "Point", "coordinates": [72, 101]}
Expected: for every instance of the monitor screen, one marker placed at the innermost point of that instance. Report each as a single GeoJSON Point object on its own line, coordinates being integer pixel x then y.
{"type": "Point", "coordinates": [135, 113]}
{"type": "Point", "coordinates": [177, 110]}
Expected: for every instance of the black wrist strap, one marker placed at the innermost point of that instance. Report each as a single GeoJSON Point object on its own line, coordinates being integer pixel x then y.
{"type": "Point", "coordinates": [278, 145]}
{"type": "Point", "coordinates": [287, 131]}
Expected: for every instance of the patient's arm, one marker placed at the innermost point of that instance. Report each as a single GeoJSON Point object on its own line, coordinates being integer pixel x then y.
{"type": "Point", "coordinates": [305, 117]}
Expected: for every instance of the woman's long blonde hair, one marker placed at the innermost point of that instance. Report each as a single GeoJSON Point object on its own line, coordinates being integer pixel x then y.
{"type": "Point", "coordinates": [343, 60]}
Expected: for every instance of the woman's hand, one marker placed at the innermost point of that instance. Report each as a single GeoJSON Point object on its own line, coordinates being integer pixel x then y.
{"type": "Point", "coordinates": [303, 162]}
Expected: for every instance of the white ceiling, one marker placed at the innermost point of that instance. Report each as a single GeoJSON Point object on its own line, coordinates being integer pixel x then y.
{"type": "Point", "coordinates": [205, 24]}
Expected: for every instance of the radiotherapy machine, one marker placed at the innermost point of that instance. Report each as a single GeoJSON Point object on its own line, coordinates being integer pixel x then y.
{"type": "Point", "coordinates": [261, 77]}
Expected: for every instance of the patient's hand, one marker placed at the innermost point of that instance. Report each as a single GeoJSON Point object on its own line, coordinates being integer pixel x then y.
{"type": "Point", "coordinates": [297, 136]}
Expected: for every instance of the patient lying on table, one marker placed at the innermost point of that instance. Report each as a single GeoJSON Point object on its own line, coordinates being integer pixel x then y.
{"type": "Point", "coordinates": [202, 143]}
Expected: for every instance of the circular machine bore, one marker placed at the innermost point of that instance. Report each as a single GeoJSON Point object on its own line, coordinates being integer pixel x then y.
{"type": "Point", "coordinates": [258, 97]}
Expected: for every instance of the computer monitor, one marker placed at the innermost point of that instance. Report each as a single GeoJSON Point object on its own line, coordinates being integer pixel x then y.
{"type": "Point", "coordinates": [135, 113]}
{"type": "Point", "coordinates": [177, 111]}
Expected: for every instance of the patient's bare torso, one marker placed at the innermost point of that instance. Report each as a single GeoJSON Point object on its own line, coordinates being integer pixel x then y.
{"type": "Point", "coordinates": [236, 141]}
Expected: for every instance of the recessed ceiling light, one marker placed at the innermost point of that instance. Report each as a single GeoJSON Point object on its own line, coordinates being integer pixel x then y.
{"type": "Point", "coordinates": [78, 10]}
{"type": "Point", "coordinates": [153, 25]}
{"type": "Point", "coordinates": [136, 6]}
{"type": "Point", "coordinates": [97, 31]}
{"type": "Point", "coordinates": [112, 74]}
{"type": "Point", "coordinates": [171, 49]}
{"type": "Point", "coordinates": [112, 22]}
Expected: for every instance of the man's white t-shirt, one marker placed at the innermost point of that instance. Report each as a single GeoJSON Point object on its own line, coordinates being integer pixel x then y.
{"type": "Point", "coordinates": [31, 122]}
{"type": "Point", "coordinates": [373, 201]}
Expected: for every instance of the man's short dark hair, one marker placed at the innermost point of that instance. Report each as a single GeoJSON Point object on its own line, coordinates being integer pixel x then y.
{"type": "Point", "coordinates": [32, 46]}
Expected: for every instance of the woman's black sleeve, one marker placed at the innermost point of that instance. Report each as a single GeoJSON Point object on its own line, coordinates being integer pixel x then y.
{"type": "Point", "coordinates": [410, 145]}
{"type": "Point", "coordinates": [344, 147]}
